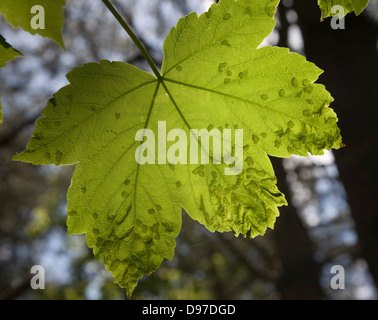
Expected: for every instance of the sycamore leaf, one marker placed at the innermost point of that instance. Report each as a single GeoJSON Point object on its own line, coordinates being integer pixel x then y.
{"type": "Point", "coordinates": [7, 53]}
{"type": "Point", "coordinates": [43, 17]}
{"type": "Point", "coordinates": [215, 80]}
{"type": "Point", "coordinates": [348, 6]}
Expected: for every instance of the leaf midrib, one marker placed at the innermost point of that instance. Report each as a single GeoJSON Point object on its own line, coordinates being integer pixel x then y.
{"type": "Point", "coordinates": [240, 99]}
{"type": "Point", "coordinates": [91, 116]}
{"type": "Point", "coordinates": [214, 42]}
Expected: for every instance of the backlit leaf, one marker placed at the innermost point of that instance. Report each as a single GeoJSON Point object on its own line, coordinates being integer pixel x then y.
{"type": "Point", "coordinates": [7, 53]}
{"type": "Point", "coordinates": [19, 13]}
{"type": "Point", "coordinates": [356, 6]}
{"type": "Point", "coordinates": [213, 78]}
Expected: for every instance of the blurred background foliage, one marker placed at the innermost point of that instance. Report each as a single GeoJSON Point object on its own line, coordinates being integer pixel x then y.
{"type": "Point", "coordinates": [333, 213]}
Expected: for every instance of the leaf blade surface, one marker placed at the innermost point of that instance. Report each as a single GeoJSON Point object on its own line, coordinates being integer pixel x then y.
{"type": "Point", "coordinates": [18, 14]}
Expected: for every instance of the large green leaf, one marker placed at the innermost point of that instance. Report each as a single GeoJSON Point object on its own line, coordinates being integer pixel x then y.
{"type": "Point", "coordinates": [7, 53]}
{"type": "Point", "coordinates": [349, 6]}
{"type": "Point", "coordinates": [19, 14]}
{"type": "Point", "coordinates": [214, 77]}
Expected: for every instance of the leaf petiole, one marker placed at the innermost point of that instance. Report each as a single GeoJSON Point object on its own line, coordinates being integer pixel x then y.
{"type": "Point", "coordinates": [135, 39]}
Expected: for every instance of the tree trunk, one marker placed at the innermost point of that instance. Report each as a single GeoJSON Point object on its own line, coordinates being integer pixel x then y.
{"type": "Point", "coordinates": [300, 278]}
{"type": "Point", "coordinates": [350, 59]}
